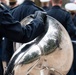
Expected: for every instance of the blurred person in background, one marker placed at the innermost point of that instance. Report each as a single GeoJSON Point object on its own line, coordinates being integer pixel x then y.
{"type": "Point", "coordinates": [13, 3]}
{"type": "Point", "coordinates": [25, 9]}
{"type": "Point", "coordinates": [45, 4]}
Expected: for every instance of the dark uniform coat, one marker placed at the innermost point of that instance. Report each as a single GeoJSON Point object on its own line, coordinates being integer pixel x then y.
{"type": "Point", "coordinates": [26, 8]}
{"type": "Point", "coordinates": [1, 49]}
{"type": "Point", "coordinates": [74, 46]}
{"type": "Point", "coordinates": [1, 67]}
{"type": "Point", "coordinates": [46, 8]}
{"type": "Point", "coordinates": [65, 19]}
{"type": "Point", "coordinates": [12, 29]}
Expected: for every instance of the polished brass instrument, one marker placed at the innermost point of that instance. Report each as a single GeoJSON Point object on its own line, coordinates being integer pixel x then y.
{"type": "Point", "coordinates": [51, 53]}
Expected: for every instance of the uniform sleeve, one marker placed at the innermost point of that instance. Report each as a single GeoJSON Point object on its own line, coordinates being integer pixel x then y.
{"type": "Point", "coordinates": [71, 28]}
{"type": "Point", "coordinates": [14, 31]}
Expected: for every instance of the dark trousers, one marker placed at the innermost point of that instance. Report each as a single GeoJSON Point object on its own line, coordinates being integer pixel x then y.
{"type": "Point", "coordinates": [73, 68]}
{"type": "Point", "coordinates": [1, 67]}
{"type": "Point", "coordinates": [7, 50]}
{"type": "Point", "coordinates": [71, 72]}
{"type": "Point", "coordinates": [74, 61]}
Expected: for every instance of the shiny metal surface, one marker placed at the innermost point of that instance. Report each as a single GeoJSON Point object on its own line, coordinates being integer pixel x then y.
{"type": "Point", "coordinates": [47, 54]}
{"type": "Point", "coordinates": [52, 38]}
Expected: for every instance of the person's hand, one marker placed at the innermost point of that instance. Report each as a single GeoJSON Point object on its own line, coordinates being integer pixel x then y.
{"type": "Point", "coordinates": [41, 15]}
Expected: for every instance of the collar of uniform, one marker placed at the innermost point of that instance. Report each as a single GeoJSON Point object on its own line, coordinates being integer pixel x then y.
{"type": "Point", "coordinates": [45, 7]}
{"type": "Point", "coordinates": [56, 7]}
{"type": "Point", "coordinates": [28, 2]}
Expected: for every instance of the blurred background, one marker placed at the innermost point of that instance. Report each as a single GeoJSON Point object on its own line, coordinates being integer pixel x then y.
{"type": "Point", "coordinates": [38, 1]}
{"type": "Point", "coordinates": [64, 2]}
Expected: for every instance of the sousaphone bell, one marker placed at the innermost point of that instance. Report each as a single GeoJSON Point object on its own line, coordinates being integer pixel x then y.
{"type": "Point", "coordinates": [51, 53]}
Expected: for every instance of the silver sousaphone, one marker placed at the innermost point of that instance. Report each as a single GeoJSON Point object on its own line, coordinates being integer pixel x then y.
{"type": "Point", "coordinates": [51, 53]}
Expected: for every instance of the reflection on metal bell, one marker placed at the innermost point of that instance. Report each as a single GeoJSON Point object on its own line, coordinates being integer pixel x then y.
{"type": "Point", "coordinates": [46, 53]}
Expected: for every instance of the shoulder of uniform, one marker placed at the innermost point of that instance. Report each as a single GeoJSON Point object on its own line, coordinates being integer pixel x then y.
{"type": "Point", "coordinates": [64, 9]}
{"type": "Point", "coordinates": [14, 7]}
{"type": "Point", "coordinates": [40, 8]}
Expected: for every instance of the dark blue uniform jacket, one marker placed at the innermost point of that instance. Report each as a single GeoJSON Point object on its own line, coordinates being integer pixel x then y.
{"type": "Point", "coordinates": [64, 18]}
{"type": "Point", "coordinates": [25, 9]}
{"type": "Point", "coordinates": [13, 30]}
{"type": "Point", "coordinates": [46, 8]}
{"type": "Point", "coordinates": [74, 46]}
